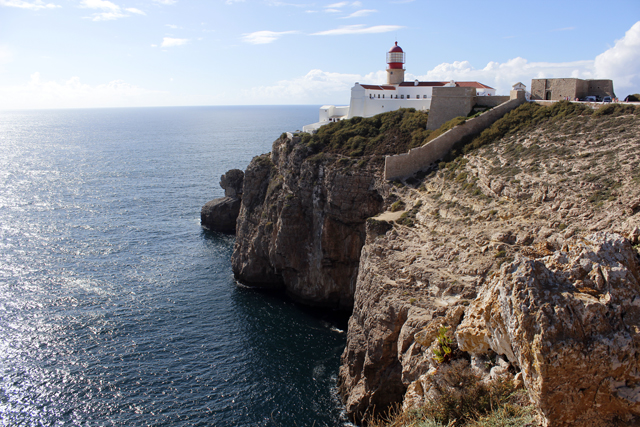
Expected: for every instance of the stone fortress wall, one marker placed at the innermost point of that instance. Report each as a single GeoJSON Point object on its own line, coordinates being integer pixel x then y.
{"type": "Point", "coordinates": [450, 102]}
{"type": "Point", "coordinates": [421, 158]}
{"type": "Point", "coordinates": [559, 89]}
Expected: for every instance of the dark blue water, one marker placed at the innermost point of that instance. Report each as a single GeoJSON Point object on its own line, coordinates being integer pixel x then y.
{"type": "Point", "coordinates": [116, 306]}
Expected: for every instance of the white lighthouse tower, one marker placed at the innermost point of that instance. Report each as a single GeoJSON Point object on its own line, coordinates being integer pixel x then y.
{"type": "Point", "coordinates": [367, 100]}
{"type": "Point", "coordinates": [395, 65]}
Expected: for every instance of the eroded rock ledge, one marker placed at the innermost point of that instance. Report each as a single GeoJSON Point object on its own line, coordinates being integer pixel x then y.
{"type": "Point", "coordinates": [221, 214]}
{"type": "Point", "coordinates": [525, 249]}
{"type": "Point", "coordinates": [301, 225]}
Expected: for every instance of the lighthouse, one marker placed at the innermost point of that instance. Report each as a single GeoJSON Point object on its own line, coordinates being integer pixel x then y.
{"type": "Point", "coordinates": [395, 62]}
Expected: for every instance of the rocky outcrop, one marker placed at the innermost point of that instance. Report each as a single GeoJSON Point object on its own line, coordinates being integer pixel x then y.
{"type": "Point", "coordinates": [221, 214]}
{"type": "Point", "coordinates": [526, 251]}
{"type": "Point", "coordinates": [570, 322]}
{"type": "Point", "coordinates": [302, 222]}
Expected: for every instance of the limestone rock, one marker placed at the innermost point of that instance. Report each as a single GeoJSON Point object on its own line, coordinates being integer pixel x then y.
{"type": "Point", "coordinates": [221, 214]}
{"type": "Point", "coordinates": [302, 223]}
{"type": "Point", "coordinates": [232, 182]}
{"type": "Point", "coordinates": [570, 321]}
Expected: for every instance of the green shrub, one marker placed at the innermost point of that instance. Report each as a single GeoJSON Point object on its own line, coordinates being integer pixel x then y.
{"type": "Point", "coordinates": [615, 109]}
{"type": "Point", "coordinates": [442, 353]}
{"type": "Point", "coordinates": [388, 133]}
{"type": "Point", "coordinates": [397, 206]}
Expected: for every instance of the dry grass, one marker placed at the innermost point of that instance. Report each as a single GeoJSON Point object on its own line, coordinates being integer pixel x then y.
{"type": "Point", "coordinates": [472, 404]}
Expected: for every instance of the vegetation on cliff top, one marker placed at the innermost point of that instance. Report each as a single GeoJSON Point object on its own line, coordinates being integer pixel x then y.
{"type": "Point", "coordinates": [530, 115]}
{"type": "Point", "coordinates": [400, 130]}
{"type": "Point", "coordinates": [474, 404]}
{"type": "Point", "coordinates": [388, 133]}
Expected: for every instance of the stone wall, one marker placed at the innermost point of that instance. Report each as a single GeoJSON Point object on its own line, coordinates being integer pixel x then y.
{"type": "Point", "coordinates": [417, 159]}
{"type": "Point", "coordinates": [449, 102]}
{"type": "Point", "coordinates": [490, 101]}
{"type": "Point", "coordinates": [600, 88]}
{"type": "Point", "coordinates": [558, 89]}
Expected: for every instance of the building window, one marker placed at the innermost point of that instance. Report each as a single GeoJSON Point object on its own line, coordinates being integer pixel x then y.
{"type": "Point", "coordinates": [382, 96]}
{"type": "Point", "coordinates": [401, 96]}
{"type": "Point", "coordinates": [417, 96]}
{"type": "Point", "coordinates": [396, 96]}
{"type": "Point", "coordinates": [379, 95]}
{"type": "Point", "coordinates": [408, 96]}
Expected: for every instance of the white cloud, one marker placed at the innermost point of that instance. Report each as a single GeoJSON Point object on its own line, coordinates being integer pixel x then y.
{"type": "Point", "coordinates": [264, 37]}
{"type": "Point", "coordinates": [99, 4]}
{"type": "Point", "coordinates": [110, 12]}
{"type": "Point", "coordinates": [36, 5]}
{"type": "Point", "coordinates": [134, 10]}
{"type": "Point", "coordinates": [338, 5]}
{"type": "Point", "coordinates": [173, 27]}
{"type": "Point", "coordinates": [6, 55]}
{"type": "Point", "coordinates": [281, 4]}
{"type": "Point", "coordinates": [360, 13]}
{"type": "Point", "coordinates": [166, 1]}
{"type": "Point", "coordinates": [502, 76]}
{"type": "Point", "coordinates": [172, 42]}
{"type": "Point", "coordinates": [621, 63]}
{"type": "Point", "coordinates": [234, 1]}
{"type": "Point", "coordinates": [316, 86]}
{"type": "Point", "coordinates": [74, 94]}
{"type": "Point", "coordinates": [108, 16]}
{"type": "Point", "coordinates": [358, 29]}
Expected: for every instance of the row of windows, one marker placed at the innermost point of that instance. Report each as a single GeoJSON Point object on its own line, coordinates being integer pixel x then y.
{"type": "Point", "coordinates": [372, 96]}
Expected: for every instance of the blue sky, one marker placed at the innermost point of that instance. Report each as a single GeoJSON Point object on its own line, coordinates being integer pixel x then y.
{"type": "Point", "coordinates": [122, 53]}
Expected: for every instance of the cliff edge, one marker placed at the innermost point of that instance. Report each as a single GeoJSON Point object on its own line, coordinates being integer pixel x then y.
{"type": "Point", "coordinates": [520, 250]}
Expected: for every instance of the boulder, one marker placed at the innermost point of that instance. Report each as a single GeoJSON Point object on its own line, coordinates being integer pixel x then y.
{"type": "Point", "coordinates": [570, 321]}
{"type": "Point", "coordinates": [221, 214]}
{"type": "Point", "coordinates": [232, 182]}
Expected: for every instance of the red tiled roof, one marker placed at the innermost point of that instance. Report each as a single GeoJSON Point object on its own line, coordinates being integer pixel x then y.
{"type": "Point", "coordinates": [423, 84]}
{"type": "Point", "coordinates": [477, 85]}
{"type": "Point", "coordinates": [376, 87]}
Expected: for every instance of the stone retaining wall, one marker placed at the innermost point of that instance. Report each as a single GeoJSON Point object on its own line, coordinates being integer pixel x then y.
{"type": "Point", "coordinates": [417, 159]}
{"type": "Point", "coordinates": [491, 101]}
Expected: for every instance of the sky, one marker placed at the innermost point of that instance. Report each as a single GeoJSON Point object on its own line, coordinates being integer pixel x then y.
{"type": "Point", "coordinates": [135, 53]}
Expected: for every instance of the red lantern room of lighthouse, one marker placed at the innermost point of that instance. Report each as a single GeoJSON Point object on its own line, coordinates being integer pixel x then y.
{"type": "Point", "coordinates": [395, 61]}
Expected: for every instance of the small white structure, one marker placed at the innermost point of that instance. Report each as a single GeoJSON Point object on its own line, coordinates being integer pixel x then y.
{"type": "Point", "coordinates": [369, 100]}
{"type": "Point", "coordinates": [521, 87]}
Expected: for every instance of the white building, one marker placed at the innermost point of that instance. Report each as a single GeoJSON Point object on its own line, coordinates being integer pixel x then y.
{"type": "Point", "coordinates": [369, 100]}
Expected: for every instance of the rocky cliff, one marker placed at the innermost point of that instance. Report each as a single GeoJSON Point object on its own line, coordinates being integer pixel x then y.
{"type": "Point", "coordinates": [523, 244]}
{"type": "Point", "coordinates": [301, 223]}
{"type": "Point", "coordinates": [523, 249]}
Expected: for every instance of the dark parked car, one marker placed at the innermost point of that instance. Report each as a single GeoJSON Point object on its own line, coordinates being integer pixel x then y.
{"type": "Point", "coordinates": [606, 99]}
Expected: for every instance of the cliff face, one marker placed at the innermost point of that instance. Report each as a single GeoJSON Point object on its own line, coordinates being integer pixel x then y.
{"type": "Point", "coordinates": [302, 222]}
{"type": "Point", "coordinates": [221, 214]}
{"type": "Point", "coordinates": [523, 250]}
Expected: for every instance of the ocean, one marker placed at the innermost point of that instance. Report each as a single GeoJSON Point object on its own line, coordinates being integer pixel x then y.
{"type": "Point", "coordinates": [117, 307]}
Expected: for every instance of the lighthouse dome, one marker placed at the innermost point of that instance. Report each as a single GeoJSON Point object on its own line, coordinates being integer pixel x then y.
{"type": "Point", "coordinates": [396, 48]}
{"type": "Point", "coordinates": [395, 57]}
